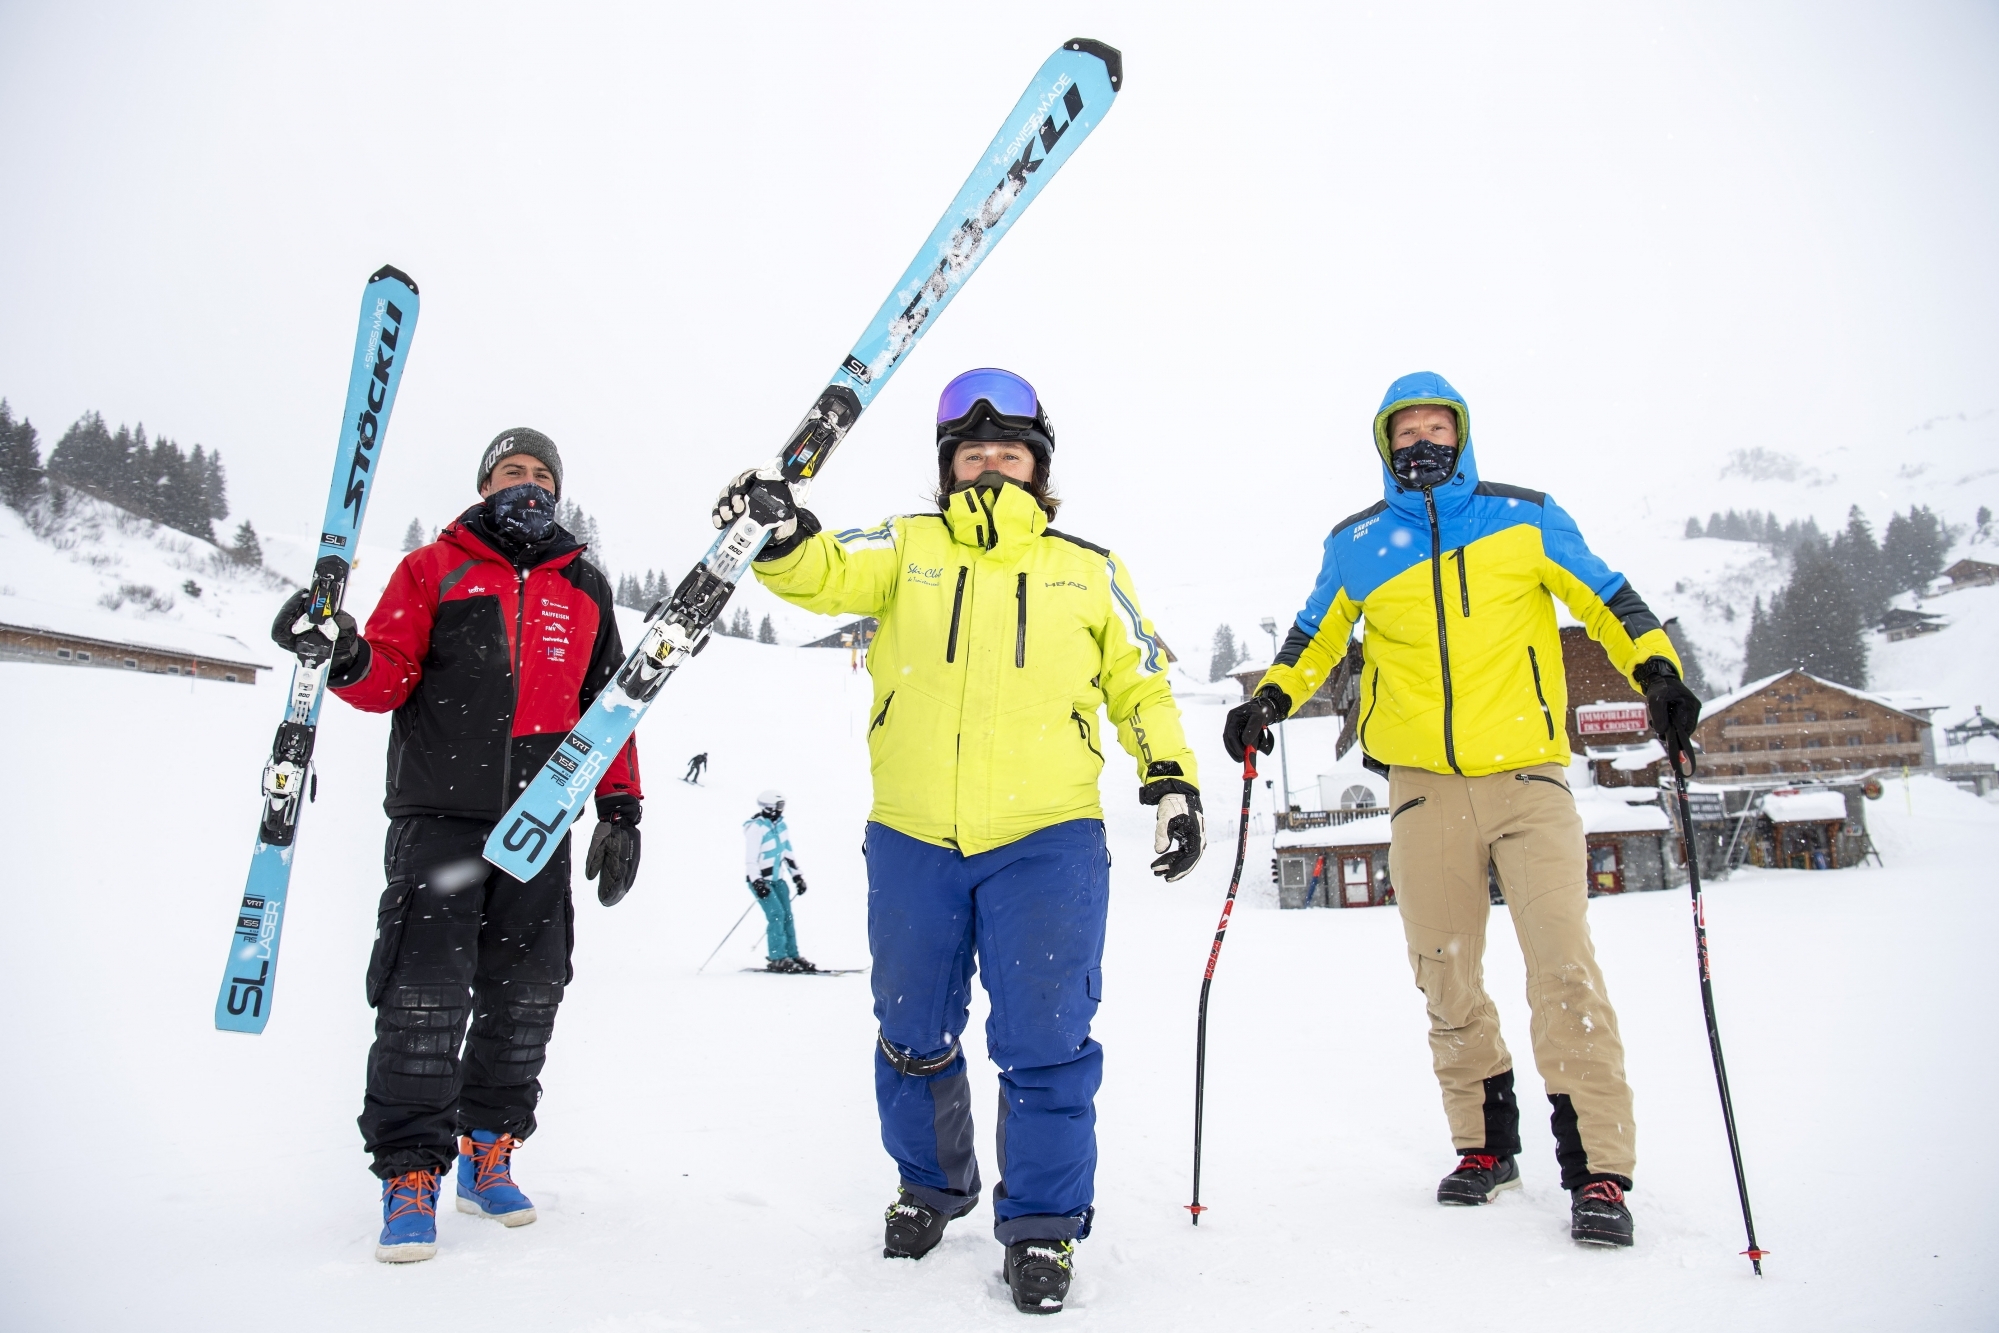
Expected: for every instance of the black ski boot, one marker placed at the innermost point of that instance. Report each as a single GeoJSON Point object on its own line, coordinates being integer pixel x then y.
{"type": "Point", "coordinates": [1479, 1179]}
{"type": "Point", "coordinates": [1037, 1273]}
{"type": "Point", "coordinates": [1597, 1215]}
{"type": "Point", "coordinates": [914, 1227]}
{"type": "Point", "coordinates": [803, 965]}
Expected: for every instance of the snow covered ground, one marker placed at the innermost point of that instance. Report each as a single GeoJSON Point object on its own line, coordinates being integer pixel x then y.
{"type": "Point", "coordinates": [708, 1156]}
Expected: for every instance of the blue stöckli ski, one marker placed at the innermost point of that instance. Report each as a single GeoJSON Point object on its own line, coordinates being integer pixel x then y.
{"type": "Point", "coordinates": [381, 347]}
{"type": "Point", "coordinates": [1069, 95]}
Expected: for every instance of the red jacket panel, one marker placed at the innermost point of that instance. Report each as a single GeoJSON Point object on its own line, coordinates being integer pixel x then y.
{"type": "Point", "coordinates": [486, 666]}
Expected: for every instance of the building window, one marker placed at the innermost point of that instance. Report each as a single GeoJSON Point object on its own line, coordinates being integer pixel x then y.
{"type": "Point", "coordinates": [1854, 740]}
{"type": "Point", "coordinates": [173, 671]}
{"type": "Point", "coordinates": [1811, 715]}
{"type": "Point", "coordinates": [132, 663]}
{"type": "Point", "coordinates": [63, 653]}
{"type": "Point", "coordinates": [1814, 742]}
{"type": "Point", "coordinates": [1776, 742]}
{"type": "Point", "coordinates": [1358, 797]}
{"type": "Point", "coordinates": [82, 656]}
{"type": "Point", "coordinates": [1849, 713]}
{"type": "Point", "coordinates": [229, 676]}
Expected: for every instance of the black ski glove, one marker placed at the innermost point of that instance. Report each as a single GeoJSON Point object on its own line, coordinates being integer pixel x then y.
{"type": "Point", "coordinates": [766, 497]}
{"type": "Point", "coordinates": [761, 886]}
{"type": "Point", "coordinates": [797, 880]}
{"type": "Point", "coordinates": [1675, 709]}
{"type": "Point", "coordinates": [310, 643]}
{"type": "Point", "coordinates": [614, 847]}
{"type": "Point", "coordinates": [1247, 726]}
{"type": "Point", "coordinates": [1180, 833]}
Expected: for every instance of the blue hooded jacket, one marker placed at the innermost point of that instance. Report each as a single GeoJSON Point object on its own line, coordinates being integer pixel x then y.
{"type": "Point", "coordinates": [1461, 654]}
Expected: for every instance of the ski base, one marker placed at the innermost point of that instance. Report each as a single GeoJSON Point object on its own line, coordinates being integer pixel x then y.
{"type": "Point", "coordinates": [815, 972]}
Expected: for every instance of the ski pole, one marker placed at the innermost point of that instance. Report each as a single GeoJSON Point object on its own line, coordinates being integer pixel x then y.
{"type": "Point", "coordinates": [1680, 777]}
{"type": "Point", "coordinates": [1208, 980]}
{"type": "Point", "coordinates": [725, 939]}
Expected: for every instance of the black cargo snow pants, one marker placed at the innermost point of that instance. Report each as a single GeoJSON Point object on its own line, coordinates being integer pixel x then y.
{"type": "Point", "coordinates": [457, 939]}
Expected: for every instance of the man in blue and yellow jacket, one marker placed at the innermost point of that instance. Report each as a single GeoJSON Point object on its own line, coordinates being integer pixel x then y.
{"type": "Point", "coordinates": [1462, 703]}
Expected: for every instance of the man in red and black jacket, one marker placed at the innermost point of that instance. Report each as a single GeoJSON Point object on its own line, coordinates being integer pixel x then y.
{"type": "Point", "coordinates": [487, 645]}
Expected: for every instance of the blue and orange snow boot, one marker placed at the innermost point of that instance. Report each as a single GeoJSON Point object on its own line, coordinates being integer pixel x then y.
{"type": "Point", "coordinates": [486, 1182]}
{"type": "Point", "coordinates": [409, 1218]}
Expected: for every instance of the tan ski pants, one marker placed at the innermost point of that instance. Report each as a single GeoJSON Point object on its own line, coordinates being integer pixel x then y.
{"type": "Point", "coordinates": [1444, 830]}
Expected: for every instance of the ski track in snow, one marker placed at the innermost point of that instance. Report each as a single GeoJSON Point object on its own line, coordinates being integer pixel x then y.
{"type": "Point", "coordinates": [708, 1156]}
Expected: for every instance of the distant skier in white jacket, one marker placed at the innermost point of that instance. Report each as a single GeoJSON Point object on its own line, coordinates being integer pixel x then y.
{"type": "Point", "coordinates": [772, 872]}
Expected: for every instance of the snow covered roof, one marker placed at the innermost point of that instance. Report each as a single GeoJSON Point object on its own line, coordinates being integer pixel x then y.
{"type": "Point", "coordinates": [1605, 814]}
{"type": "Point", "coordinates": [112, 628]}
{"type": "Point", "coordinates": [1805, 807]}
{"type": "Point", "coordinates": [1359, 833]}
{"type": "Point", "coordinates": [1900, 702]}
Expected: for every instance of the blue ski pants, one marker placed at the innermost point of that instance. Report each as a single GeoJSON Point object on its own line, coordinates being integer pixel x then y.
{"type": "Point", "coordinates": [1030, 915]}
{"type": "Point", "coordinates": [780, 936]}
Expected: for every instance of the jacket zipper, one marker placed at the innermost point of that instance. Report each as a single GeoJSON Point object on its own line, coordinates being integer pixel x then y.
{"type": "Point", "coordinates": [1464, 589]}
{"type": "Point", "coordinates": [957, 605]}
{"type": "Point", "coordinates": [990, 533]}
{"type": "Point", "coordinates": [1373, 703]}
{"type": "Point", "coordinates": [1548, 717]}
{"type": "Point", "coordinates": [882, 716]}
{"type": "Point", "coordinates": [507, 751]}
{"type": "Point", "coordinates": [1406, 807]}
{"type": "Point", "coordinates": [1083, 729]}
{"type": "Point", "coordinates": [1020, 632]}
{"type": "Point", "coordinates": [1443, 640]}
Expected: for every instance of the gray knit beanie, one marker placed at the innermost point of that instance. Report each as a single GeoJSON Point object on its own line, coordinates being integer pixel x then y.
{"type": "Point", "coordinates": [520, 440]}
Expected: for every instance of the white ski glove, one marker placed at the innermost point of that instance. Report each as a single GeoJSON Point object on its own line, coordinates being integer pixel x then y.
{"type": "Point", "coordinates": [1179, 835]}
{"type": "Point", "coordinates": [765, 495]}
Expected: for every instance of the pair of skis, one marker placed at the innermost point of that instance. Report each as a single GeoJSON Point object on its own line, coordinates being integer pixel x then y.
{"type": "Point", "coordinates": [1062, 105]}
{"type": "Point", "coordinates": [389, 306]}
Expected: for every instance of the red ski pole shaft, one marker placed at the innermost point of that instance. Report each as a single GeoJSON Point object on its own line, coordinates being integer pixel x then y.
{"type": "Point", "coordinates": [1208, 978]}
{"type": "Point", "coordinates": [1755, 1252]}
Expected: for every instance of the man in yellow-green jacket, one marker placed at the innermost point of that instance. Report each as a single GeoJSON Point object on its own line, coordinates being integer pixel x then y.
{"type": "Point", "coordinates": [1462, 706]}
{"type": "Point", "coordinates": [1001, 641]}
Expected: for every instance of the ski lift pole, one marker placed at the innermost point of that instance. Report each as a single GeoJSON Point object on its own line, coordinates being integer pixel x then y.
{"type": "Point", "coordinates": [1680, 776]}
{"type": "Point", "coordinates": [1208, 979]}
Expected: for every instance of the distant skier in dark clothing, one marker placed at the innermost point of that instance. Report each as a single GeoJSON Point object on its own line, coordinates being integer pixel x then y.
{"type": "Point", "coordinates": [694, 767]}
{"type": "Point", "coordinates": [487, 644]}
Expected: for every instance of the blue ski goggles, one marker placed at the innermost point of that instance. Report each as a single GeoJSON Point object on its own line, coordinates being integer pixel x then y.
{"type": "Point", "coordinates": [991, 404]}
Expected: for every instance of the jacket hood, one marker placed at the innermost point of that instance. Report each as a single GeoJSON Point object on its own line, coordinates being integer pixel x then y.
{"type": "Point", "coordinates": [1425, 388]}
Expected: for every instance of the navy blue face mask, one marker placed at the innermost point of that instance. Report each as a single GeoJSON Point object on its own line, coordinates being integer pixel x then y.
{"type": "Point", "coordinates": [1424, 464]}
{"type": "Point", "coordinates": [524, 513]}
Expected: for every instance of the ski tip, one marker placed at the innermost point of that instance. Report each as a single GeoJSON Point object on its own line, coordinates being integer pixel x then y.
{"type": "Point", "coordinates": [1113, 58]}
{"type": "Point", "coordinates": [391, 271]}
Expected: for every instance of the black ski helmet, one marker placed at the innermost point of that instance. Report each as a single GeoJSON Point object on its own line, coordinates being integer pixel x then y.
{"type": "Point", "coordinates": [992, 404]}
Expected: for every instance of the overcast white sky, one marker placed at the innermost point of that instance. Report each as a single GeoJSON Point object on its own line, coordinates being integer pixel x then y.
{"type": "Point", "coordinates": [1636, 236]}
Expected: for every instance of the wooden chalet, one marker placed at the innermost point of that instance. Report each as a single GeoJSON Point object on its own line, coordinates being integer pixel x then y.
{"type": "Point", "coordinates": [71, 636]}
{"type": "Point", "coordinates": [1970, 574]}
{"type": "Point", "coordinates": [1794, 722]}
{"type": "Point", "coordinates": [1900, 624]}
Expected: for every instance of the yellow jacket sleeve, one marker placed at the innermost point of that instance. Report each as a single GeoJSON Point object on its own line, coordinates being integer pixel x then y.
{"type": "Point", "coordinates": [1137, 694]}
{"type": "Point", "coordinates": [853, 573]}
{"type": "Point", "coordinates": [1306, 662]}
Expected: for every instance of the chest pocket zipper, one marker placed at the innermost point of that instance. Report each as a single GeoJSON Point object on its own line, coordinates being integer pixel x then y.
{"type": "Point", "coordinates": [882, 716]}
{"type": "Point", "coordinates": [957, 606]}
{"type": "Point", "coordinates": [1020, 632]}
{"type": "Point", "coordinates": [1534, 663]}
{"type": "Point", "coordinates": [1464, 586]}
{"type": "Point", "coordinates": [1083, 730]}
